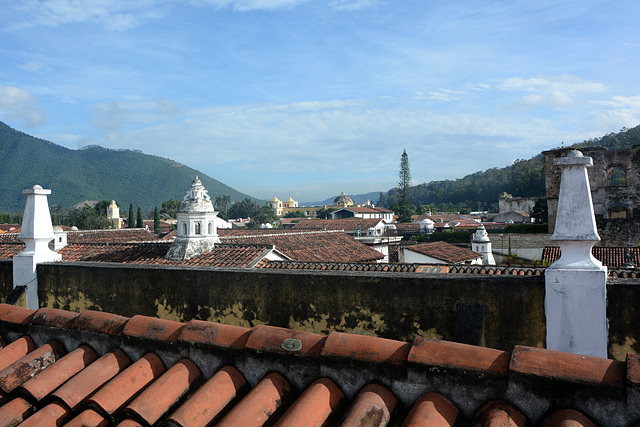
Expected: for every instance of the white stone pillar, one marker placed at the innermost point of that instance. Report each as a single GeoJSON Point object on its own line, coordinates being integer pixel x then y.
{"type": "Point", "coordinates": [576, 284]}
{"type": "Point", "coordinates": [36, 232]}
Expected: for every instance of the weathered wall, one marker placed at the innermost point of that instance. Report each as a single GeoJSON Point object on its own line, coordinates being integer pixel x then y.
{"type": "Point", "coordinates": [527, 246]}
{"type": "Point", "coordinates": [6, 279]}
{"type": "Point", "coordinates": [398, 306]}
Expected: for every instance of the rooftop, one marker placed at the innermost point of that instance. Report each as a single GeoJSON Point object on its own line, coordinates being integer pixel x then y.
{"type": "Point", "coordinates": [92, 368]}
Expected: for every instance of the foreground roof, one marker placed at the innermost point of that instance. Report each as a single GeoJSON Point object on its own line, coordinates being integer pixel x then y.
{"type": "Point", "coordinates": [61, 368]}
{"type": "Point", "coordinates": [612, 257]}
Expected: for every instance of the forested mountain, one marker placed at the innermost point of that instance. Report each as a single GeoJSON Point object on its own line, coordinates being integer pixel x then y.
{"type": "Point", "coordinates": [480, 190]}
{"type": "Point", "coordinates": [92, 173]}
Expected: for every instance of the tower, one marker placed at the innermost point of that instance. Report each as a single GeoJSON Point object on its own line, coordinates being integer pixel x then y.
{"type": "Point", "coordinates": [482, 245]}
{"type": "Point", "coordinates": [197, 231]}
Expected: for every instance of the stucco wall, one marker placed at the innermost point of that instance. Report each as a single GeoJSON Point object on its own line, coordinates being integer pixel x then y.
{"type": "Point", "coordinates": [398, 306]}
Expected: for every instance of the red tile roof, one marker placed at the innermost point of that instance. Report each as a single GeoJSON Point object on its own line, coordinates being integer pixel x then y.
{"type": "Point", "coordinates": [444, 251]}
{"type": "Point", "coordinates": [111, 236]}
{"type": "Point", "coordinates": [146, 370]}
{"type": "Point", "coordinates": [612, 257]}
{"type": "Point", "coordinates": [348, 224]}
{"type": "Point", "coordinates": [311, 246]}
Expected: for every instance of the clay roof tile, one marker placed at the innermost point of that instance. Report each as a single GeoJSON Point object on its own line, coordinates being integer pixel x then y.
{"type": "Point", "coordinates": [498, 413]}
{"type": "Point", "coordinates": [54, 414]}
{"type": "Point", "coordinates": [315, 406]}
{"type": "Point", "coordinates": [41, 385]}
{"type": "Point", "coordinates": [30, 365]}
{"type": "Point", "coordinates": [431, 409]}
{"type": "Point", "coordinates": [15, 351]}
{"type": "Point", "coordinates": [52, 317]}
{"type": "Point", "coordinates": [445, 354]}
{"type": "Point", "coordinates": [260, 403]}
{"type": "Point", "coordinates": [88, 417]}
{"type": "Point", "coordinates": [15, 411]}
{"type": "Point", "coordinates": [163, 393]}
{"type": "Point", "coordinates": [210, 399]}
{"type": "Point", "coordinates": [286, 341]}
{"type": "Point", "coordinates": [15, 314]}
{"type": "Point", "coordinates": [215, 334]}
{"type": "Point", "coordinates": [100, 322]}
{"type": "Point", "coordinates": [568, 418]}
{"type": "Point", "coordinates": [153, 328]}
{"type": "Point", "coordinates": [372, 406]}
{"type": "Point", "coordinates": [366, 348]}
{"type": "Point", "coordinates": [91, 378]}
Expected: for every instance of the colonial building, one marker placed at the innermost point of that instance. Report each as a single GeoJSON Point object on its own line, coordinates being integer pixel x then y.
{"type": "Point", "coordinates": [480, 243]}
{"type": "Point", "coordinates": [113, 213]}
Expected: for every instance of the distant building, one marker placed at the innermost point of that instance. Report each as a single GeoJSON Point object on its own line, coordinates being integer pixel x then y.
{"type": "Point", "coordinates": [480, 243]}
{"type": "Point", "coordinates": [363, 212]}
{"type": "Point", "coordinates": [508, 203]}
{"type": "Point", "coordinates": [438, 253]}
{"type": "Point", "coordinates": [113, 213]}
{"type": "Point", "coordinates": [343, 201]}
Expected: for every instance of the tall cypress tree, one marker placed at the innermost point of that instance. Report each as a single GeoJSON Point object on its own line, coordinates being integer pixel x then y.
{"type": "Point", "coordinates": [156, 221]}
{"type": "Point", "coordinates": [404, 207]}
{"type": "Point", "coordinates": [131, 220]}
{"type": "Point", "coordinates": [140, 221]}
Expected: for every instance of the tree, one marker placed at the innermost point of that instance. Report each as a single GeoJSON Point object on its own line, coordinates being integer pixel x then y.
{"type": "Point", "coordinates": [86, 218]}
{"type": "Point", "coordinates": [294, 214]}
{"type": "Point", "coordinates": [266, 216]}
{"type": "Point", "coordinates": [102, 206]}
{"type": "Point", "coordinates": [156, 221]}
{"type": "Point", "coordinates": [131, 220]}
{"type": "Point", "coordinates": [404, 182]}
{"type": "Point", "coordinates": [222, 203]}
{"type": "Point", "coordinates": [245, 208]}
{"type": "Point", "coordinates": [171, 208]}
{"type": "Point", "coordinates": [139, 220]}
{"type": "Point", "coordinates": [540, 211]}
{"type": "Point", "coordinates": [324, 213]}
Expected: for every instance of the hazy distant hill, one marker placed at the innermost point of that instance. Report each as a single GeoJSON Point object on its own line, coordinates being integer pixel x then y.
{"type": "Point", "coordinates": [92, 173]}
{"type": "Point", "coordinates": [480, 190]}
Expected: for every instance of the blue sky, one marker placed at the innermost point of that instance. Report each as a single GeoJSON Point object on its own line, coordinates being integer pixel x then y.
{"type": "Point", "coordinates": [307, 98]}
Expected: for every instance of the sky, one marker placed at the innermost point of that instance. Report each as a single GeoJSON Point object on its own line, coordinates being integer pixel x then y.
{"type": "Point", "coordinates": [308, 98]}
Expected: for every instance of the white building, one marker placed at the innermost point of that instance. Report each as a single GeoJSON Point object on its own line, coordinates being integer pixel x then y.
{"type": "Point", "coordinates": [481, 244]}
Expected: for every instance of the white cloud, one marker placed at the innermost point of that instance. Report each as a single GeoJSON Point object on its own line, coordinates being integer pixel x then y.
{"type": "Point", "coordinates": [19, 104]}
{"type": "Point", "coordinates": [351, 4]}
{"type": "Point", "coordinates": [108, 116]}
{"type": "Point", "coordinates": [550, 84]}
{"type": "Point", "coordinates": [111, 14]}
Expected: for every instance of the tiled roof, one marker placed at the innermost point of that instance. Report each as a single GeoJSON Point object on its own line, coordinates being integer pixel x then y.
{"type": "Point", "coordinates": [337, 266]}
{"type": "Point", "coordinates": [111, 236]}
{"type": "Point", "coordinates": [366, 209]}
{"type": "Point", "coordinates": [10, 238]}
{"type": "Point", "coordinates": [9, 228]}
{"type": "Point", "coordinates": [444, 251]}
{"type": "Point", "coordinates": [312, 246]}
{"type": "Point", "coordinates": [348, 224]}
{"type": "Point", "coordinates": [612, 257]}
{"type": "Point", "coordinates": [61, 368]}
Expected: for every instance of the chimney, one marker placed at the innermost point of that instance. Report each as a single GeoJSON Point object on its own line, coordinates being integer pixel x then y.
{"type": "Point", "coordinates": [36, 233]}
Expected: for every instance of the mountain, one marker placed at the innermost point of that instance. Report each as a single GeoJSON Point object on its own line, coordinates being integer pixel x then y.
{"type": "Point", "coordinates": [480, 190]}
{"type": "Point", "coordinates": [92, 173]}
{"type": "Point", "coordinates": [358, 199]}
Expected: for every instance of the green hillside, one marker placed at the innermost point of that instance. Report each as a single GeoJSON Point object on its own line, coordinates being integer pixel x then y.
{"type": "Point", "coordinates": [480, 190]}
{"type": "Point", "coordinates": [92, 173]}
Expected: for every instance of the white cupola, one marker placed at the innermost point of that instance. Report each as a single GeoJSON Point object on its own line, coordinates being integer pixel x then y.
{"type": "Point", "coordinates": [196, 224]}
{"type": "Point", "coordinates": [482, 244]}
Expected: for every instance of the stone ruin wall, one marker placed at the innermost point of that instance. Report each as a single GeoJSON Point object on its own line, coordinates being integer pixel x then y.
{"type": "Point", "coordinates": [508, 203]}
{"type": "Point", "coordinates": [608, 201]}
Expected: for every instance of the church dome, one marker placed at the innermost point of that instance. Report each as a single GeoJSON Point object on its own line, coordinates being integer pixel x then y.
{"type": "Point", "coordinates": [343, 200]}
{"type": "Point", "coordinates": [481, 235]}
{"type": "Point", "coordinates": [197, 199]}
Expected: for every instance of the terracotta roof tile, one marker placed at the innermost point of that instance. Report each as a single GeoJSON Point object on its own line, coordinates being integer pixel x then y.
{"type": "Point", "coordinates": [260, 403]}
{"type": "Point", "coordinates": [433, 410]}
{"type": "Point", "coordinates": [153, 328]}
{"type": "Point", "coordinates": [567, 418]}
{"type": "Point", "coordinates": [117, 392]}
{"type": "Point", "coordinates": [372, 407]}
{"type": "Point", "coordinates": [29, 365]}
{"type": "Point", "coordinates": [53, 317]}
{"type": "Point", "coordinates": [15, 314]}
{"type": "Point", "coordinates": [99, 322]}
{"type": "Point", "coordinates": [210, 399]}
{"type": "Point", "coordinates": [286, 341]}
{"type": "Point", "coordinates": [348, 225]}
{"type": "Point", "coordinates": [356, 378]}
{"type": "Point", "coordinates": [14, 412]}
{"type": "Point", "coordinates": [499, 414]}
{"type": "Point", "coordinates": [88, 417]}
{"type": "Point", "coordinates": [446, 354]}
{"type": "Point", "coordinates": [567, 367]}
{"type": "Point", "coordinates": [111, 235]}
{"type": "Point", "coordinates": [163, 393]}
{"type": "Point", "coordinates": [315, 406]}
{"type": "Point", "coordinates": [612, 257]}
{"type": "Point", "coordinates": [366, 348]}
{"type": "Point", "coordinates": [14, 351]}
{"type": "Point", "coordinates": [91, 378]}
{"type": "Point", "coordinates": [41, 385]}
{"type": "Point", "coordinates": [54, 414]}
{"type": "Point", "coordinates": [215, 334]}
